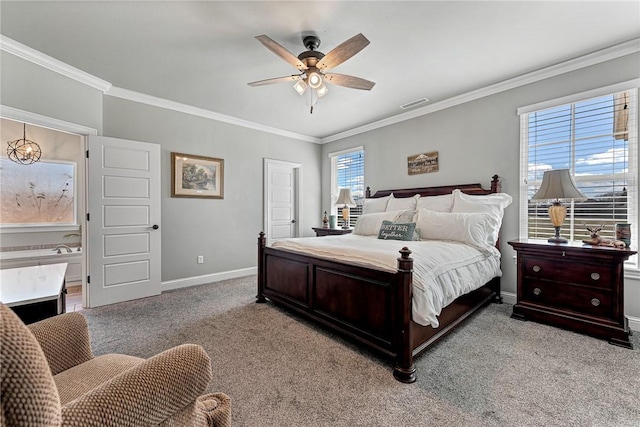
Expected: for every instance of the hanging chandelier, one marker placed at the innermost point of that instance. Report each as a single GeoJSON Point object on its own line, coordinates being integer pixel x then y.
{"type": "Point", "coordinates": [24, 151]}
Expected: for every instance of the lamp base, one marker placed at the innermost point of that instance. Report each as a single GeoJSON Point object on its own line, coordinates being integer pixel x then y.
{"type": "Point", "coordinates": [557, 240]}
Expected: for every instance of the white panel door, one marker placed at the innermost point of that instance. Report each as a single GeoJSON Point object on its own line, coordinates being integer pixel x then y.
{"type": "Point", "coordinates": [123, 220]}
{"type": "Point", "coordinates": [281, 199]}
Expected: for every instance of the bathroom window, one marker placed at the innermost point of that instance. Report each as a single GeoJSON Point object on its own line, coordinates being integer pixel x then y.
{"type": "Point", "coordinates": [40, 194]}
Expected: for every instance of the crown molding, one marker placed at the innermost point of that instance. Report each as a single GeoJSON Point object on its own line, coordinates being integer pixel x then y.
{"type": "Point", "coordinates": [25, 52]}
{"type": "Point", "coordinates": [603, 55]}
{"type": "Point", "coordinates": [131, 95]}
{"type": "Point", "coordinates": [44, 121]}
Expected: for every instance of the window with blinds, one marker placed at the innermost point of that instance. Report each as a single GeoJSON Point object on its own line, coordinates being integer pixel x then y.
{"type": "Point", "coordinates": [347, 171]}
{"type": "Point", "coordinates": [597, 139]}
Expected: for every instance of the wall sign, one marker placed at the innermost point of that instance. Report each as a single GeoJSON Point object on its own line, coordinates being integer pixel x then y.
{"type": "Point", "coordinates": [423, 163]}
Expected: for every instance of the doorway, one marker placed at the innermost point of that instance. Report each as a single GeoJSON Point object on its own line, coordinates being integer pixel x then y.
{"type": "Point", "coordinates": [61, 142]}
{"type": "Point", "coordinates": [282, 199]}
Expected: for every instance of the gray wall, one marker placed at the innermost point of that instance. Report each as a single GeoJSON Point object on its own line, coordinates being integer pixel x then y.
{"type": "Point", "coordinates": [224, 231]}
{"type": "Point", "coordinates": [476, 140]}
{"type": "Point", "coordinates": [31, 88]}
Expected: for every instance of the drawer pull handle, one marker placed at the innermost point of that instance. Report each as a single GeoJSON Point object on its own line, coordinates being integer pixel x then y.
{"type": "Point", "coordinates": [536, 268]}
{"type": "Point", "coordinates": [538, 291]}
{"type": "Point", "coordinates": [595, 276]}
{"type": "Point", "coordinates": [595, 302]}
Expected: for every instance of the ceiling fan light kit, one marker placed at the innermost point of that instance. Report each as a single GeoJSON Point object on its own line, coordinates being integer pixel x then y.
{"type": "Point", "coordinates": [313, 66]}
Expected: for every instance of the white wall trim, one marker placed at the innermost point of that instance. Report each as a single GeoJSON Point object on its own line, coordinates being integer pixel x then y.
{"type": "Point", "coordinates": [25, 52]}
{"type": "Point", "coordinates": [44, 121]}
{"type": "Point", "coordinates": [201, 112]}
{"type": "Point", "coordinates": [346, 151]}
{"type": "Point", "coordinates": [509, 297]}
{"type": "Point", "coordinates": [594, 93]}
{"type": "Point", "coordinates": [207, 278]}
{"type": "Point", "coordinates": [607, 54]}
{"type": "Point", "coordinates": [594, 58]}
{"type": "Point", "coordinates": [634, 323]}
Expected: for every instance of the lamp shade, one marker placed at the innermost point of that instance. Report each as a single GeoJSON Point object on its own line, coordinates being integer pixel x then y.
{"type": "Point", "coordinates": [344, 198]}
{"type": "Point", "coordinates": [558, 184]}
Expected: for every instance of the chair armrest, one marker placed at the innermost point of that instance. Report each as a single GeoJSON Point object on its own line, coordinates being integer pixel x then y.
{"type": "Point", "coordinates": [64, 340]}
{"type": "Point", "coordinates": [146, 394]}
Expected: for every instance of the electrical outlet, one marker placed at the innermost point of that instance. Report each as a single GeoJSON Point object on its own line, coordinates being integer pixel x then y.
{"type": "Point", "coordinates": [200, 259]}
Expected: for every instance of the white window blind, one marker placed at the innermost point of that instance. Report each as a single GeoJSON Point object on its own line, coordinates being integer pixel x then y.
{"type": "Point", "coordinates": [347, 171]}
{"type": "Point", "coordinates": [597, 139]}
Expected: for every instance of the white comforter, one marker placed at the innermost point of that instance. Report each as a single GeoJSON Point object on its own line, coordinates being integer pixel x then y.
{"type": "Point", "coordinates": [442, 270]}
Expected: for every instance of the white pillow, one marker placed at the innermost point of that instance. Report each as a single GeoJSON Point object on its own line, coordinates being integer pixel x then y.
{"type": "Point", "coordinates": [369, 224]}
{"type": "Point", "coordinates": [379, 204]}
{"type": "Point", "coordinates": [442, 203]}
{"type": "Point", "coordinates": [404, 203]}
{"type": "Point", "coordinates": [492, 204]}
{"type": "Point", "coordinates": [470, 228]}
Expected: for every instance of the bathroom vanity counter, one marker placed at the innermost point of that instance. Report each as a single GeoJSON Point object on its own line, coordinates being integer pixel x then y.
{"type": "Point", "coordinates": [35, 292]}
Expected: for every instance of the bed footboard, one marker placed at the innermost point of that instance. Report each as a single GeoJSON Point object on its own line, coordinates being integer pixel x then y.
{"type": "Point", "coordinates": [371, 306]}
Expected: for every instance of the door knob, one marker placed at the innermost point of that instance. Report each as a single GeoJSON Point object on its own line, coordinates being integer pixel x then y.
{"type": "Point", "coordinates": [293, 221]}
{"type": "Point", "coordinates": [155, 227]}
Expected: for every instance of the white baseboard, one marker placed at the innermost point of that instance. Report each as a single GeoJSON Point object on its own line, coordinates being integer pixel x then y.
{"type": "Point", "coordinates": [207, 278]}
{"type": "Point", "coordinates": [508, 297]}
{"type": "Point", "coordinates": [634, 323]}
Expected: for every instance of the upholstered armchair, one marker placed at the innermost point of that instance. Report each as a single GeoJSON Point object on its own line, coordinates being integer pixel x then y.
{"type": "Point", "coordinates": [50, 377]}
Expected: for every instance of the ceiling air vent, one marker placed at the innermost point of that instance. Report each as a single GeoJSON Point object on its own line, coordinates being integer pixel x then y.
{"type": "Point", "coordinates": [415, 103]}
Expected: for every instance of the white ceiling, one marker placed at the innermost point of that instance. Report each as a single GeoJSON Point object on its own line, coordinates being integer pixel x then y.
{"type": "Point", "coordinates": [203, 54]}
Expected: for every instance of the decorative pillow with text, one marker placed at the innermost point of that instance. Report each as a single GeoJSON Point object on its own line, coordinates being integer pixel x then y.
{"type": "Point", "coordinates": [398, 231]}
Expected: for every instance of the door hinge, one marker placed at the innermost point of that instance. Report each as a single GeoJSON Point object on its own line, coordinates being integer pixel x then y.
{"type": "Point", "coordinates": [87, 217]}
{"type": "Point", "coordinates": [87, 154]}
{"type": "Point", "coordinates": [88, 279]}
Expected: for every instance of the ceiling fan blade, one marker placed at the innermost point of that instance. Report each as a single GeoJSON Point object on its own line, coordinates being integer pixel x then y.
{"type": "Point", "coordinates": [343, 52]}
{"type": "Point", "coordinates": [276, 80]}
{"type": "Point", "coordinates": [348, 81]}
{"type": "Point", "coordinates": [283, 53]}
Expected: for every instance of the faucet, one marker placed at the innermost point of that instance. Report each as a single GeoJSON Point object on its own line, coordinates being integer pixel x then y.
{"type": "Point", "coordinates": [59, 247]}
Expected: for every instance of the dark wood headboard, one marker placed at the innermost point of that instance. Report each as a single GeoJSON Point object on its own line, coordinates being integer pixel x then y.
{"type": "Point", "coordinates": [435, 191]}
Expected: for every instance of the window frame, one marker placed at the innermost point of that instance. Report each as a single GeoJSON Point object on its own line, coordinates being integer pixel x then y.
{"type": "Point", "coordinates": [631, 175]}
{"type": "Point", "coordinates": [334, 156]}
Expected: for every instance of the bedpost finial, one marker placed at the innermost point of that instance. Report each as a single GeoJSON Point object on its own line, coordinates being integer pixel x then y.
{"type": "Point", "coordinates": [405, 252]}
{"type": "Point", "coordinates": [496, 186]}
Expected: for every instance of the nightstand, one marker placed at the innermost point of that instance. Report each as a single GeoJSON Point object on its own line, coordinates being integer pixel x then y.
{"type": "Point", "coordinates": [331, 231]}
{"type": "Point", "coordinates": [573, 286]}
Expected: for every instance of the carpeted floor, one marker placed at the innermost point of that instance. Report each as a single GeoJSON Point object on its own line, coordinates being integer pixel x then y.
{"type": "Point", "coordinates": [282, 371]}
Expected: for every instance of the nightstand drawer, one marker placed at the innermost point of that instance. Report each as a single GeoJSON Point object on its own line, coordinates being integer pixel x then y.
{"type": "Point", "coordinates": [589, 301]}
{"type": "Point", "coordinates": [556, 270]}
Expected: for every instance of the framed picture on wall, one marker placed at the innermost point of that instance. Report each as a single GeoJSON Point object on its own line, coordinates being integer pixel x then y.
{"type": "Point", "coordinates": [197, 176]}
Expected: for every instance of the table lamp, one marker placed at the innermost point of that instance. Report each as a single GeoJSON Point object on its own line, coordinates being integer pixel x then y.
{"type": "Point", "coordinates": [558, 185]}
{"type": "Point", "coordinates": [345, 199]}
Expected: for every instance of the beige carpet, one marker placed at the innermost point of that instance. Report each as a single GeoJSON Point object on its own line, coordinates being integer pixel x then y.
{"type": "Point", "coordinates": [282, 371]}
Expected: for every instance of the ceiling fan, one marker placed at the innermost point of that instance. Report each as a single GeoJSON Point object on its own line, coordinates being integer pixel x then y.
{"type": "Point", "coordinates": [313, 65]}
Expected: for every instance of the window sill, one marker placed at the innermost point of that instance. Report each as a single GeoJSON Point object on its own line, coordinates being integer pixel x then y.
{"type": "Point", "coordinates": [38, 228]}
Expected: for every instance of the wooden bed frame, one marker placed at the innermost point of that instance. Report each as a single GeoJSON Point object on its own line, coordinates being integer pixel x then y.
{"type": "Point", "coordinates": [370, 306]}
